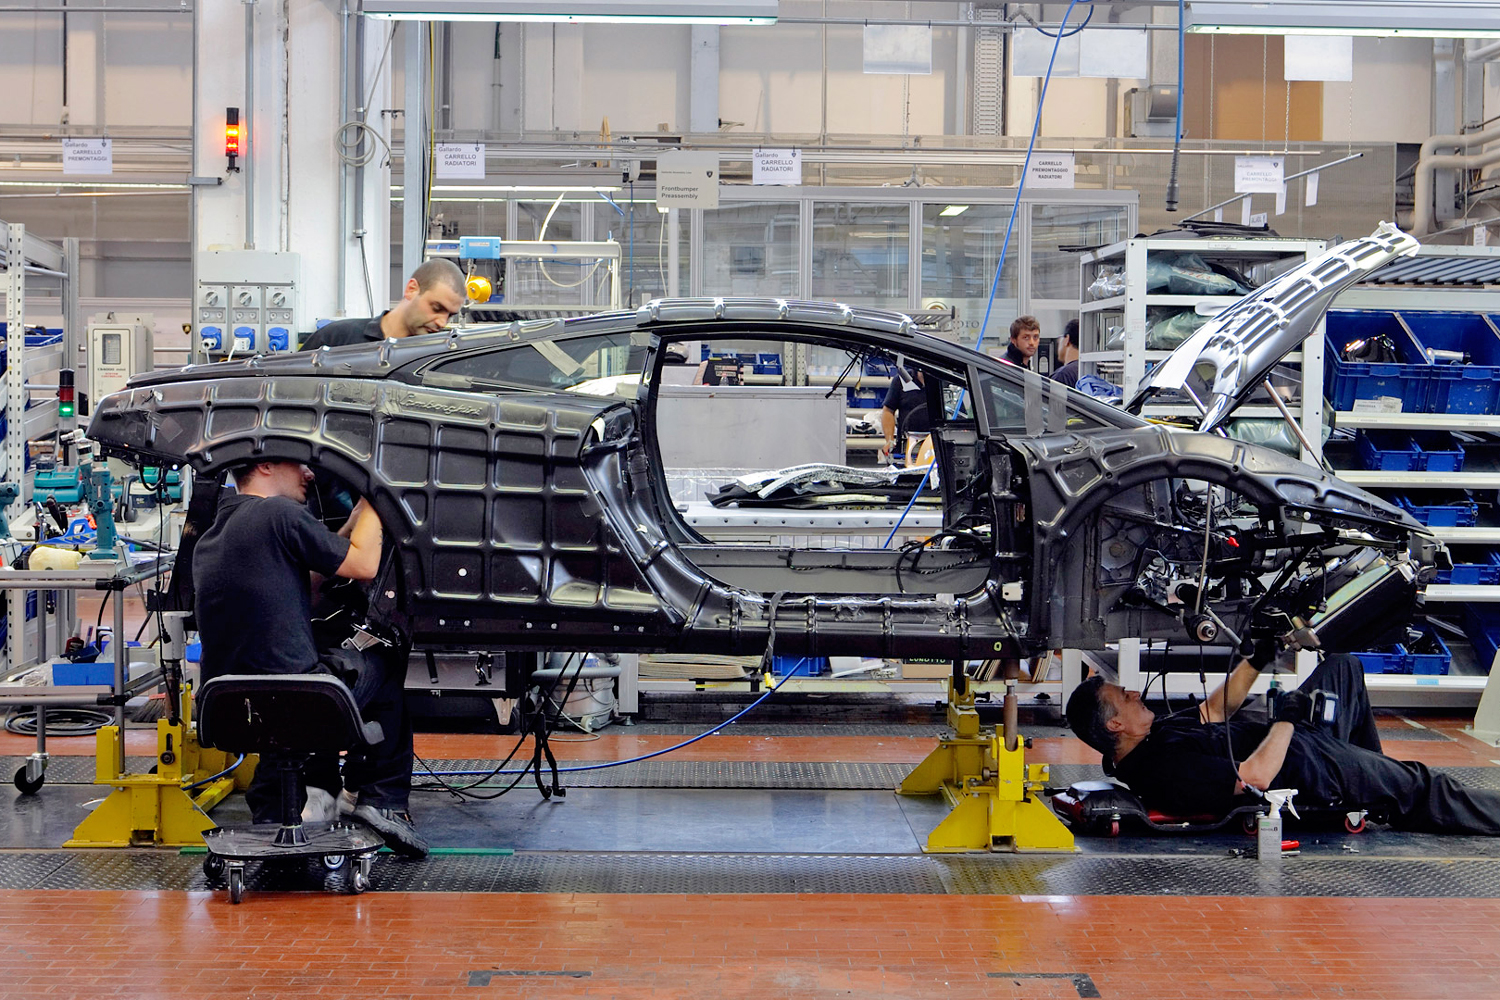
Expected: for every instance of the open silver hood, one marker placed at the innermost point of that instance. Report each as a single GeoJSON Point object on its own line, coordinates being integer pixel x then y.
{"type": "Point", "coordinates": [1245, 341]}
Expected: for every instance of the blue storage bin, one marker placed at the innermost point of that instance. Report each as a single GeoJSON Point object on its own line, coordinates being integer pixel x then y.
{"type": "Point", "coordinates": [1346, 382]}
{"type": "Point", "coordinates": [1430, 654]}
{"type": "Point", "coordinates": [767, 363]}
{"type": "Point", "coordinates": [1438, 451]}
{"type": "Point", "coordinates": [864, 398]}
{"type": "Point", "coordinates": [1441, 508]}
{"type": "Point", "coordinates": [1470, 575]}
{"type": "Point", "coordinates": [1390, 660]}
{"type": "Point", "coordinates": [1387, 451]}
{"type": "Point", "coordinates": [1469, 387]}
{"type": "Point", "coordinates": [1482, 627]}
{"type": "Point", "coordinates": [805, 666]}
{"type": "Point", "coordinates": [66, 672]}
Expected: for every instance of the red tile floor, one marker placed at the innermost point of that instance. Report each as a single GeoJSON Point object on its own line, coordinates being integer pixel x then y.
{"type": "Point", "coordinates": [389, 944]}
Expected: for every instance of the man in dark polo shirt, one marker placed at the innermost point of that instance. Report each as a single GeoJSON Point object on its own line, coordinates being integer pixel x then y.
{"type": "Point", "coordinates": [1181, 763]}
{"type": "Point", "coordinates": [434, 295]}
{"type": "Point", "coordinates": [904, 412]}
{"type": "Point", "coordinates": [253, 579]}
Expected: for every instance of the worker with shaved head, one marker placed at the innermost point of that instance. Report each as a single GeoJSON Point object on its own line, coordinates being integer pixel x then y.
{"type": "Point", "coordinates": [434, 295]}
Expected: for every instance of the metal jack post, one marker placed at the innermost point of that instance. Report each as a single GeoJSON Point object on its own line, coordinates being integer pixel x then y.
{"type": "Point", "coordinates": [163, 808]}
{"type": "Point", "coordinates": [994, 796]}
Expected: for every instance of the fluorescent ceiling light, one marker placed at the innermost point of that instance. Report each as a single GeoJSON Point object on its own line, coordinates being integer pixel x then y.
{"type": "Point", "coordinates": [1425, 19]}
{"type": "Point", "coordinates": [579, 11]}
{"type": "Point", "coordinates": [512, 188]}
{"type": "Point", "coordinates": [953, 210]}
{"type": "Point", "coordinates": [111, 185]}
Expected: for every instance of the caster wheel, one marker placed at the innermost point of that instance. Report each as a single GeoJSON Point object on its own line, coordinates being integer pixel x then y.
{"type": "Point", "coordinates": [358, 881]}
{"type": "Point", "coordinates": [25, 785]}
{"type": "Point", "coordinates": [1247, 826]}
{"type": "Point", "coordinates": [213, 869]}
{"type": "Point", "coordinates": [1114, 828]}
{"type": "Point", "coordinates": [1354, 826]}
{"type": "Point", "coordinates": [333, 862]}
{"type": "Point", "coordinates": [236, 884]}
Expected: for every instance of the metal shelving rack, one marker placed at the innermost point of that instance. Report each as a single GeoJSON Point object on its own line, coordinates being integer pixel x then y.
{"type": "Point", "coordinates": [28, 257]}
{"type": "Point", "coordinates": [1480, 296]}
{"type": "Point", "coordinates": [1261, 259]}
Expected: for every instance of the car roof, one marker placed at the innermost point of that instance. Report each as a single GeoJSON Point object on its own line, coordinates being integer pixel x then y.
{"type": "Point", "coordinates": [892, 331]}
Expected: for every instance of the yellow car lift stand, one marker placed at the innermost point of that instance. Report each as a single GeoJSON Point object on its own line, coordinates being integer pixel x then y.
{"type": "Point", "coordinates": [168, 808]}
{"type": "Point", "coordinates": [993, 794]}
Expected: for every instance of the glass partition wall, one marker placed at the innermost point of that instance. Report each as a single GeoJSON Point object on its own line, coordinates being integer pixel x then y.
{"type": "Point", "coordinates": [923, 250]}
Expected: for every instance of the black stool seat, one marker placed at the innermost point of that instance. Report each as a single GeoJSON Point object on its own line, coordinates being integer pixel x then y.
{"type": "Point", "coordinates": [281, 713]}
{"type": "Point", "coordinates": [287, 718]}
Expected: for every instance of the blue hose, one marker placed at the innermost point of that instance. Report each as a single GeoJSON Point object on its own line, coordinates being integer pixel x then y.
{"type": "Point", "coordinates": [1015, 210]}
{"type": "Point", "coordinates": [631, 760]}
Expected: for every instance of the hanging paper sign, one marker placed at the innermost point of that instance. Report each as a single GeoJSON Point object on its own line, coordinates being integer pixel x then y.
{"type": "Point", "coordinates": [898, 48]}
{"type": "Point", "coordinates": [1311, 197]}
{"type": "Point", "coordinates": [88, 156]}
{"type": "Point", "coordinates": [687, 180]}
{"type": "Point", "coordinates": [1281, 201]}
{"type": "Point", "coordinates": [776, 166]}
{"type": "Point", "coordinates": [1258, 174]}
{"type": "Point", "coordinates": [1245, 212]}
{"type": "Point", "coordinates": [1050, 170]}
{"type": "Point", "coordinates": [460, 161]}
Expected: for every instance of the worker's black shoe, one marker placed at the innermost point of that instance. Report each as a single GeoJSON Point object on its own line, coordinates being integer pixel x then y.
{"type": "Point", "coordinates": [395, 828]}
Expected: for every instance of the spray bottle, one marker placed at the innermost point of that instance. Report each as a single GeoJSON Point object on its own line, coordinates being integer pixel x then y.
{"type": "Point", "coordinates": [1268, 824]}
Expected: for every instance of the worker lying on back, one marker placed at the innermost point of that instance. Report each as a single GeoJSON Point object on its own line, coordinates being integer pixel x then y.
{"type": "Point", "coordinates": [434, 295]}
{"type": "Point", "coordinates": [1181, 765]}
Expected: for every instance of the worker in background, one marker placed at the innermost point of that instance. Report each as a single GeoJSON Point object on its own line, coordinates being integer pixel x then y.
{"type": "Point", "coordinates": [903, 415]}
{"type": "Point", "coordinates": [1181, 763]}
{"type": "Point", "coordinates": [253, 572]}
{"type": "Point", "coordinates": [1067, 356]}
{"type": "Point", "coordinates": [434, 295]}
{"type": "Point", "coordinates": [1025, 338]}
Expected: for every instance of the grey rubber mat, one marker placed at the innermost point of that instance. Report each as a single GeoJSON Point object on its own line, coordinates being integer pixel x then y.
{"type": "Point", "coordinates": [1405, 734]}
{"type": "Point", "coordinates": [663, 773]}
{"type": "Point", "coordinates": [703, 873]}
{"type": "Point", "coordinates": [930, 730]}
{"type": "Point", "coordinates": [72, 769]}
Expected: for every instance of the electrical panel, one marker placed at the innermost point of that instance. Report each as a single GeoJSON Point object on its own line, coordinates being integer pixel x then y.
{"type": "Point", "coordinates": [118, 346]}
{"type": "Point", "coordinates": [247, 302]}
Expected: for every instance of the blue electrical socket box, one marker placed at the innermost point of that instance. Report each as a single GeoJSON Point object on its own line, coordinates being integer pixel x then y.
{"type": "Point", "coordinates": [479, 247]}
{"type": "Point", "coordinates": [212, 337]}
{"type": "Point", "coordinates": [279, 338]}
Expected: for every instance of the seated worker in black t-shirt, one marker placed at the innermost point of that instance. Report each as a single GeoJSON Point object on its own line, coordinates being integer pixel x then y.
{"type": "Point", "coordinates": [1180, 763]}
{"type": "Point", "coordinates": [904, 412]}
{"type": "Point", "coordinates": [253, 580]}
{"type": "Point", "coordinates": [434, 294]}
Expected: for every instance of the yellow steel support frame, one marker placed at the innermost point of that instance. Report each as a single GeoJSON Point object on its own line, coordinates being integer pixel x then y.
{"type": "Point", "coordinates": [994, 796]}
{"type": "Point", "coordinates": [159, 809]}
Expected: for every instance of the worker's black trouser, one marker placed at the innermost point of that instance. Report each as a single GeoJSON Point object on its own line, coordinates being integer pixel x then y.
{"type": "Point", "coordinates": [1406, 793]}
{"type": "Point", "coordinates": [380, 774]}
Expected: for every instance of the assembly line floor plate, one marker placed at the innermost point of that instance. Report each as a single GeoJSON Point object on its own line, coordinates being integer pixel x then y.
{"type": "Point", "coordinates": [753, 826]}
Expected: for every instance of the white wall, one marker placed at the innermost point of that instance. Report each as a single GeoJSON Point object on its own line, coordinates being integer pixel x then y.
{"type": "Point", "coordinates": [147, 62]}
{"type": "Point", "coordinates": [1390, 99]}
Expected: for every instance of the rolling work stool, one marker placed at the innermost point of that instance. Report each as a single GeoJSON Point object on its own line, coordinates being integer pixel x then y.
{"type": "Point", "coordinates": [286, 718]}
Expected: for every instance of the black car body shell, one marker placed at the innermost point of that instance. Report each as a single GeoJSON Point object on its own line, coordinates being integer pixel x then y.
{"type": "Point", "coordinates": [528, 519]}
